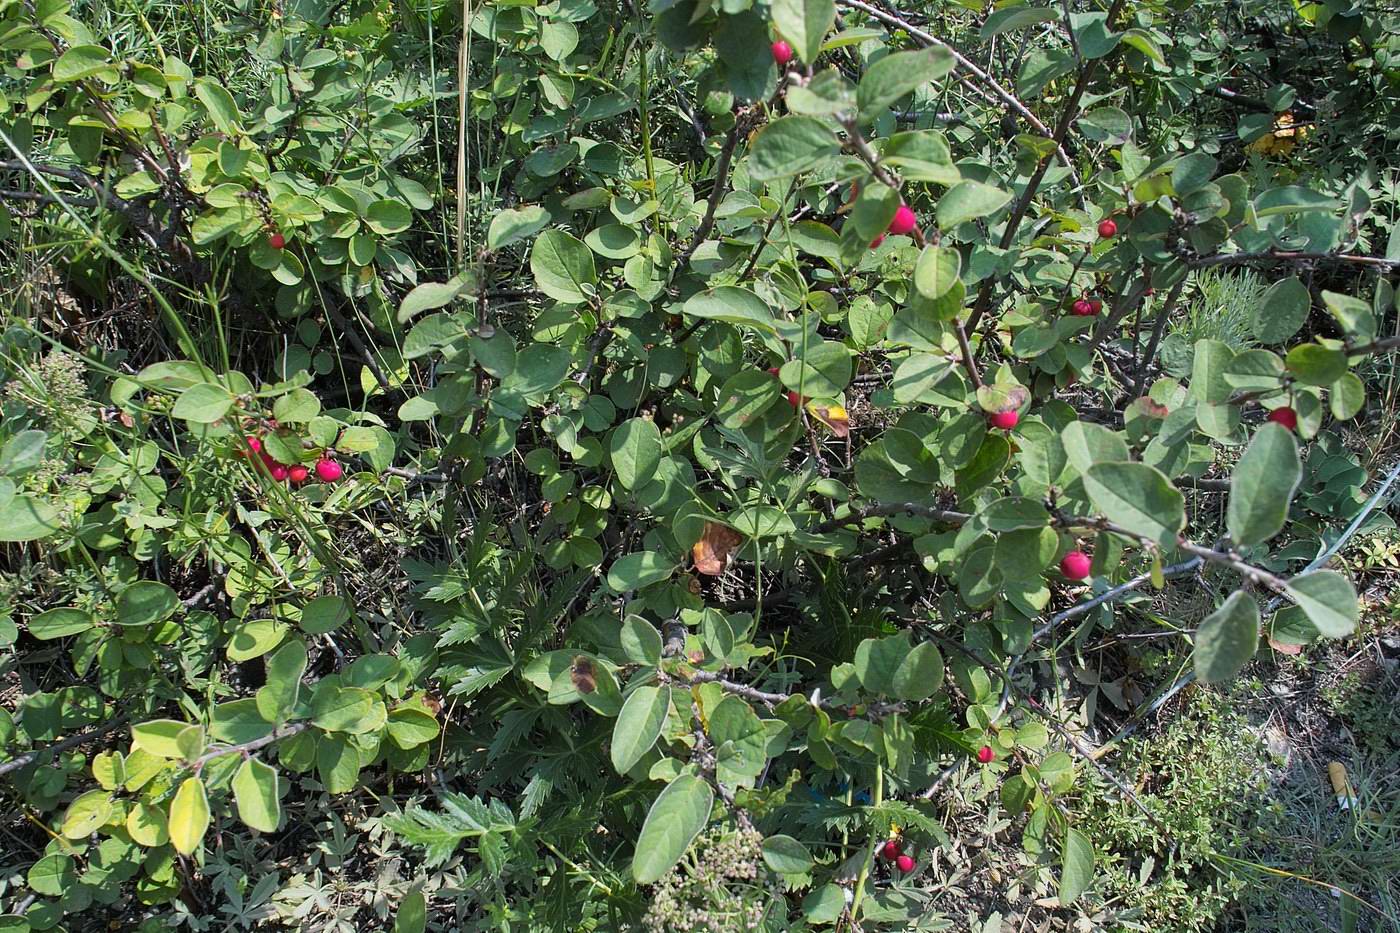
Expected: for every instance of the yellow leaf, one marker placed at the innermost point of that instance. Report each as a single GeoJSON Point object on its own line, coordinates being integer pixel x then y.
{"type": "Point", "coordinates": [189, 816]}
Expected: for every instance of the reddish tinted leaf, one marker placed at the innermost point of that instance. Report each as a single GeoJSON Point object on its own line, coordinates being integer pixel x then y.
{"type": "Point", "coordinates": [712, 551]}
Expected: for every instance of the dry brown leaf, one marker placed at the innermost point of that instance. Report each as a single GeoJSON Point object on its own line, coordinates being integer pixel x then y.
{"type": "Point", "coordinates": [712, 552]}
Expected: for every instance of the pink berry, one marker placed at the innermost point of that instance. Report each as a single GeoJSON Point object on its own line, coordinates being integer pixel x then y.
{"type": "Point", "coordinates": [904, 863]}
{"type": "Point", "coordinates": [1108, 229]}
{"type": "Point", "coordinates": [782, 53]}
{"type": "Point", "coordinates": [298, 474]}
{"type": "Point", "coordinates": [254, 444]}
{"type": "Point", "coordinates": [875, 243]}
{"type": "Point", "coordinates": [1286, 417]}
{"type": "Point", "coordinates": [1075, 565]}
{"type": "Point", "coordinates": [276, 241]}
{"type": "Point", "coordinates": [985, 754]}
{"type": "Point", "coordinates": [1006, 420]}
{"type": "Point", "coordinates": [772, 370]}
{"type": "Point", "coordinates": [1082, 308]}
{"type": "Point", "coordinates": [278, 471]}
{"type": "Point", "coordinates": [328, 471]}
{"type": "Point", "coordinates": [904, 220]}
{"type": "Point", "coordinates": [890, 850]}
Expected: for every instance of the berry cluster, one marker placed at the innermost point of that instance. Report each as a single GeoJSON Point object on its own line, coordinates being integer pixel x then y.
{"type": "Point", "coordinates": [893, 851]}
{"type": "Point", "coordinates": [327, 468]}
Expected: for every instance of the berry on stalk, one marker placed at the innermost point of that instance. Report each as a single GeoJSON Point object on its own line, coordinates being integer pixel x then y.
{"type": "Point", "coordinates": [1286, 417]}
{"type": "Point", "coordinates": [904, 220]}
{"type": "Point", "coordinates": [1006, 420]}
{"type": "Point", "coordinates": [276, 240]}
{"type": "Point", "coordinates": [985, 754]}
{"type": "Point", "coordinates": [298, 474]}
{"type": "Point", "coordinates": [328, 471]}
{"type": "Point", "coordinates": [1082, 308]}
{"type": "Point", "coordinates": [1108, 229]}
{"type": "Point", "coordinates": [1075, 565]}
{"type": "Point", "coordinates": [782, 53]}
{"type": "Point", "coordinates": [890, 850]}
{"type": "Point", "coordinates": [904, 863]}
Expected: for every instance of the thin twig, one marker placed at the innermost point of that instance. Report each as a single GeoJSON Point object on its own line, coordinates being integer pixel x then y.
{"type": "Point", "coordinates": [83, 738]}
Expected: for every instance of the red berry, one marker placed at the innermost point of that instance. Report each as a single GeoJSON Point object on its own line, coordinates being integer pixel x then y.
{"type": "Point", "coordinates": [328, 471]}
{"type": "Point", "coordinates": [254, 444]}
{"type": "Point", "coordinates": [904, 863]}
{"type": "Point", "coordinates": [782, 53]}
{"type": "Point", "coordinates": [1006, 420]}
{"type": "Point", "coordinates": [1286, 417]}
{"type": "Point", "coordinates": [772, 370]}
{"type": "Point", "coordinates": [794, 399]}
{"type": "Point", "coordinates": [278, 471]}
{"type": "Point", "coordinates": [1075, 565]}
{"type": "Point", "coordinates": [1095, 305]}
{"type": "Point", "coordinates": [298, 474]}
{"type": "Point", "coordinates": [277, 241]}
{"type": "Point", "coordinates": [877, 241]}
{"type": "Point", "coordinates": [904, 220]}
{"type": "Point", "coordinates": [268, 460]}
{"type": "Point", "coordinates": [1082, 308]}
{"type": "Point", "coordinates": [1108, 229]}
{"type": "Point", "coordinates": [890, 850]}
{"type": "Point", "coordinates": [985, 754]}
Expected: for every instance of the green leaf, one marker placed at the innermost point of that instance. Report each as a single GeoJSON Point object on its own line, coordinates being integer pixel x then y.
{"type": "Point", "coordinates": [159, 737]}
{"type": "Point", "coordinates": [337, 763]}
{"type": "Point", "coordinates": [1016, 17]}
{"type": "Point", "coordinates": [635, 449]}
{"type": "Point", "coordinates": [921, 155]}
{"type": "Point", "coordinates": [146, 602]}
{"type": "Point", "coordinates": [1076, 866]}
{"type": "Point", "coordinates": [22, 453]}
{"type": "Point", "coordinates": [636, 570]}
{"type": "Point", "coordinates": [638, 726]}
{"type": "Point", "coordinates": [823, 372]}
{"type": "Point", "coordinates": [898, 74]}
{"type": "Point", "coordinates": [937, 270]}
{"type": "Point", "coordinates": [297, 407]}
{"type": "Point", "coordinates": [1347, 397]}
{"type": "Point", "coordinates": [786, 855]}
{"type": "Point", "coordinates": [969, 200]}
{"type": "Point", "coordinates": [220, 105]}
{"type": "Point", "coordinates": [733, 305]}
{"type": "Point", "coordinates": [410, 727]}
{"type": "Point", "coordinates": [791, 145]}
{"type": "Point", "coordinates": [52, 874]}
{"type": "Point", "coordinates": [147, 825]}
{"type": "Point", "coordinates": [919, 674]}
{"type": "Point", "coordinates": [255, 790]}
{"type": "Point", "coordinates": [1292, 199]}
{"type": "Point", "coordinates": [1263, 485]}
{"type": "Point", "coordinates": [189, 816]}
{"type": "Point", "coordinates": [1227, 639]}
{"type": "Point", "coordinates": [324, 614]}
{"type": "Point", "coordinates": [59, 623]}
{"type": "Point", "coordinates": [741, 742]}
{"type": "Point", "coordinates": [203, 403]}
{"type": "Point", "coordinates": [82, 62]}
{"type": "Point", "coordinates": [1315, 364]}
{"type": "Point", "coordinates": [430, 296]}
{"type": "Point", "coordinates": [805, 24]}
{"type": "Point", "coordinates": [1139, 498]}
{"type": "Point", "coordinates": [412, 916]}
{"type": "Point", "coordinates": [641, 642]}
{"type": "Point", "coordinates": [677, 816]}
{"type": "Point", "coordinates": [25, 518]}
{"type": "Point", "coordinates": [513, 225]}
{"type": "Point", "coordinates": [563, 267]}
{"type": "Point", "coordinates": [825, 904]}
{"type": "Point", "coordinates": [386, 216]}
{"type": "Point", "coordinates": [343, 709]}
{"type": "Point", "coordinates": [1329, 601]}
{"type": "Point", "coordinates": [1281, 311]}
{"type": "Point", "coordinates": [87, 812]}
